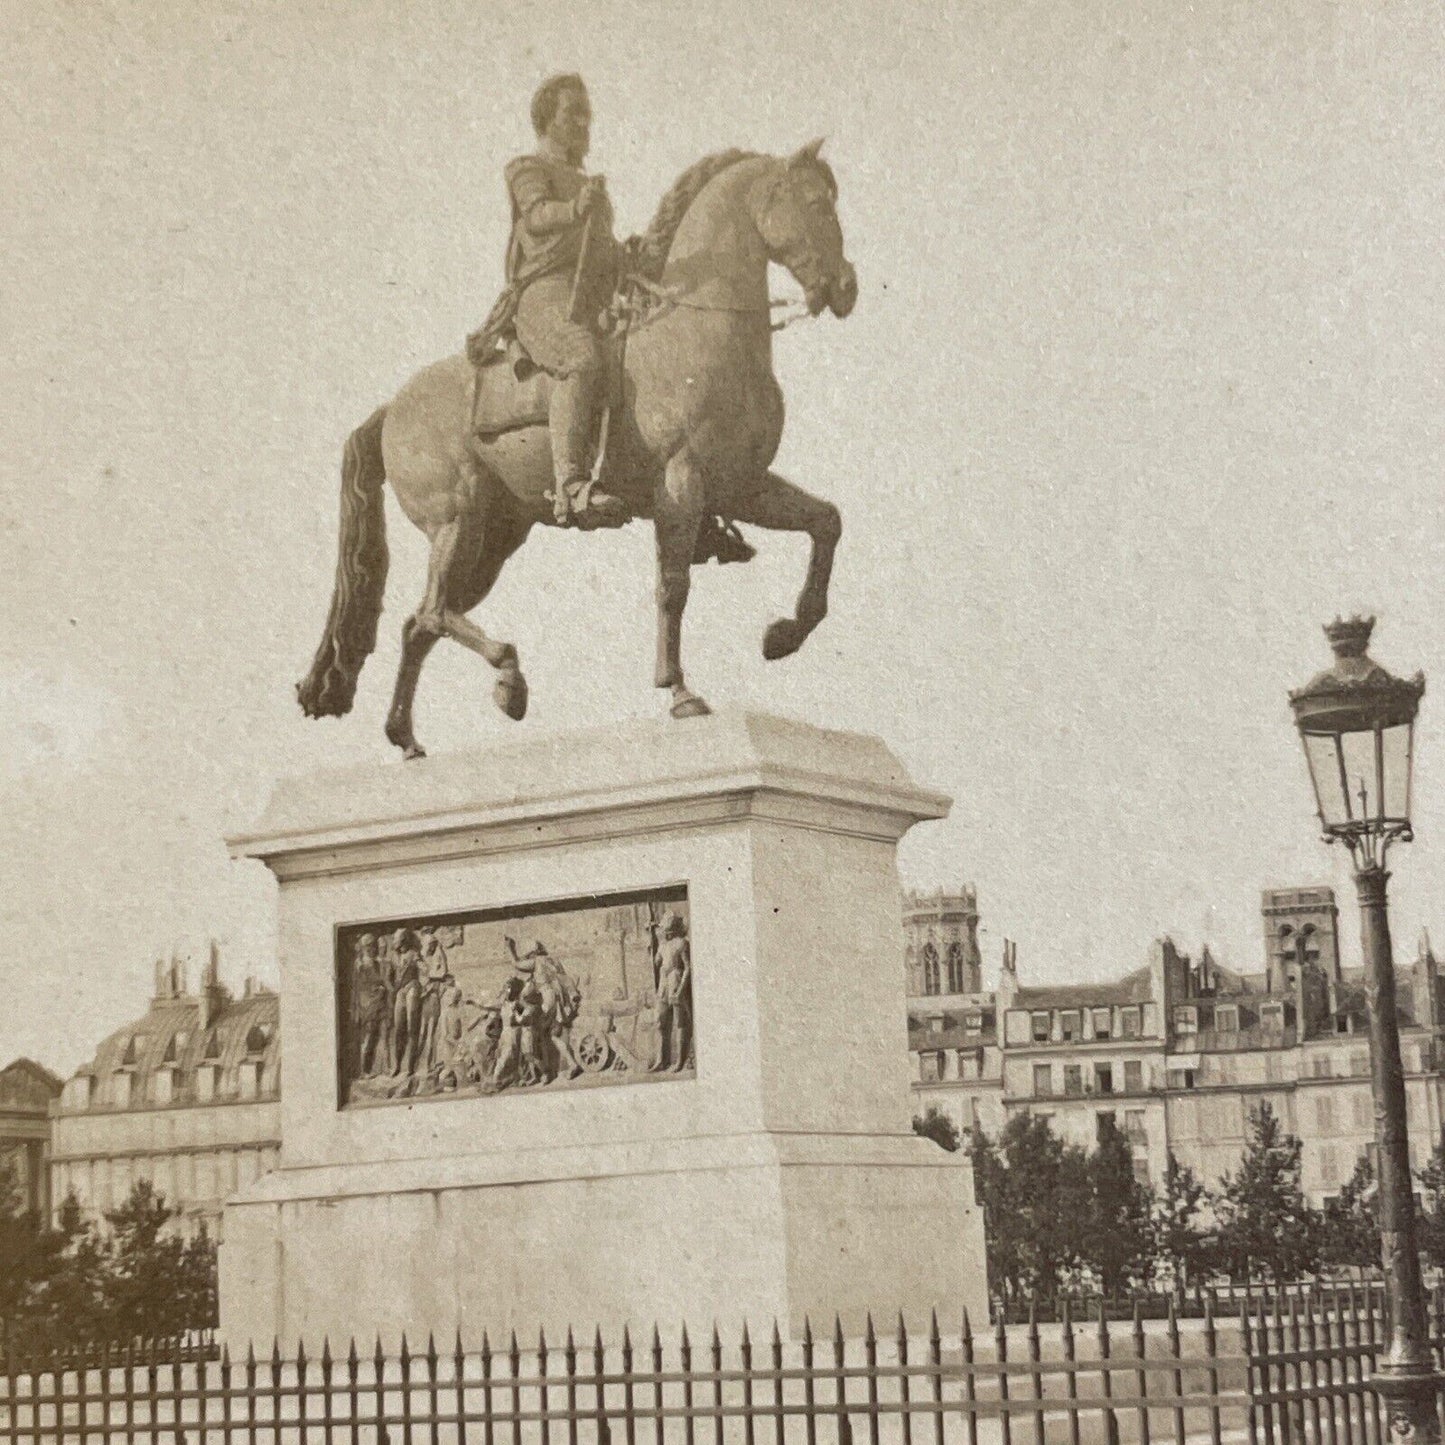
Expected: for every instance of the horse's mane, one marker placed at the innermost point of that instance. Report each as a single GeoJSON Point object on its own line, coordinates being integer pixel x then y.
{"type": "Point", "coordinates": [652, 246]}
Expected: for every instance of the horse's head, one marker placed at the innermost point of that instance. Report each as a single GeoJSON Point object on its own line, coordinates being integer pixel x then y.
{"type": "Point", "coordinates": [797, 218]}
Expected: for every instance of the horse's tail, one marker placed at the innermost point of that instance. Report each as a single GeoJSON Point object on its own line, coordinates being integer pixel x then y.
{"type": "Point", "coordinates": [328, 689]}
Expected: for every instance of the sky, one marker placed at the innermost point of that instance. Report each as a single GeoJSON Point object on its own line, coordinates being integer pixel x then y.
{"type": "Point", "coordinates": [1144, 385]}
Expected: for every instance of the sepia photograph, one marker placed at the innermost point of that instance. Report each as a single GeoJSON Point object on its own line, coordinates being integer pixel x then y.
{"type": "Point", "coordinates": [720, 723]}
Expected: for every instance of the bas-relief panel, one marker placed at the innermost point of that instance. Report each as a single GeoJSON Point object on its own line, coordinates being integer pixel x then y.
{"type": "Point", "coordinates": [559, 995]}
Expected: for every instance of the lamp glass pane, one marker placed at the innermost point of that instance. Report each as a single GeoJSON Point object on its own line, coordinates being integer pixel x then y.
{"type": "Point", "coordinates": [1325, 774]}
{"type": "Point", "coordinates": [1396, 751]}
{"type": "Point", "coordinates": [1363, 799]}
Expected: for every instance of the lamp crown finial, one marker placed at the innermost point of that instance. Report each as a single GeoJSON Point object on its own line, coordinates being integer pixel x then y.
{"type": "Point", "coordinates": [1350, 638]}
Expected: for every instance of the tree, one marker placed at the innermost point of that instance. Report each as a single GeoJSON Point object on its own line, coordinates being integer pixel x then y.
{"type": "Point", "coordinates": [938, 1127]}
{"type": "Point", "coordinates": [1117, 1244]}
{"type": "Point", "coordinates": [69, 1308]}
{"type": "Point", "coordinates": [1350, 1225]}
{"type": "Point", "coordinates": [21, 1258]}
{"type": "Point", "coordinates": [1432, 1216]}
{"type": "Point", "coordinates": [1183, 1239]}
{"type": "Point", "coordinates": [1036, 1197]}
{"type": "Point", "coordinates": [1266, 1224]}
{"type": "Point", "coordinates": [145, 1286]}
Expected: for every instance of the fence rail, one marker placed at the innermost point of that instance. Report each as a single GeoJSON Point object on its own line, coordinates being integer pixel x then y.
{"type": "Point", "coordinates": [1290, 1371]}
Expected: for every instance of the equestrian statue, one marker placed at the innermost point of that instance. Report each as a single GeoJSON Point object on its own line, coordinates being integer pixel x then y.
{"type": "Point", "coordinates": [609, 382]}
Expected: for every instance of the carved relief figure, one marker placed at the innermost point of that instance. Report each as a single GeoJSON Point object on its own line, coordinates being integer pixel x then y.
{"type": "Point", "coordinates": [406, 1011]}
{"type": "Point", "coordinates": [371, 998]}
{"type": "Point", "coordinates": [674, 999]}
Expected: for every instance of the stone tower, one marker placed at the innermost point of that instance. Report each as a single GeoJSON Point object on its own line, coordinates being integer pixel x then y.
{"type": "Point", "coordinates": [1301, 927]}
{"type": "Point", "coordinates": [942, 954]}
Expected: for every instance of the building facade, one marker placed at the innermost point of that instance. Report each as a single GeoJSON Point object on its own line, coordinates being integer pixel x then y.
{"type": "Point", "coordinates": [187, 1097]}
{"type": "Point", "coordinates": [1179, 1052]}
{"type": "Point", "coordinates": [27, 1090]}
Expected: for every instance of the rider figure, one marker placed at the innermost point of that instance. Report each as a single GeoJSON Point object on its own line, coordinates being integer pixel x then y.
{"type": "Point", "coordinates": [552, 198]}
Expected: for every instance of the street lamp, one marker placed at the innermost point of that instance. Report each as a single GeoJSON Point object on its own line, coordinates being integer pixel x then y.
{"type": "Point", "coordinates": [1357, 723]}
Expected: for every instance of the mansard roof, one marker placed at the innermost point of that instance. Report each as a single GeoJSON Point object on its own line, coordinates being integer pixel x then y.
{"type": "Point", "coordinates": [170, 1034]}
{"type": "Point", "coordinates": [1135, 987]}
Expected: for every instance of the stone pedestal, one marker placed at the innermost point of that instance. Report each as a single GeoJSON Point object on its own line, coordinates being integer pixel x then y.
{"type": "Point", "coordinates": [778, 1179]}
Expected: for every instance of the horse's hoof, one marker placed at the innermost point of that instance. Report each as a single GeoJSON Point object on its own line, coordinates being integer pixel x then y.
{"type": "Point", "coordinates": [689, 704]}
{"type": "Point", "coordinates": [510, 694]}
{"type": "Point", "coordinates": [400, 737]}
{"type": "Point", "coordinates": [782, 639]}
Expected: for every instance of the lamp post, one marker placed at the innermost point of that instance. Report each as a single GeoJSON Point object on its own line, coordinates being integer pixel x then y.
{"type": "Point", "coordinates": [1357, 723]}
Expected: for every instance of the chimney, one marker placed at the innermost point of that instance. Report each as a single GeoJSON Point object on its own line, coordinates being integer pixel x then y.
{"type": "Point", "coordinates": [213, 996]}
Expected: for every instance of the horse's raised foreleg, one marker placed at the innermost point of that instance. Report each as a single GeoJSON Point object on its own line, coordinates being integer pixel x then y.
{"type": "Point", "coordinates": [677, 514]}
{"type": "Point", "coordinates": [466, 557]}
{"type": "Point", "coordinates": [783, 507]}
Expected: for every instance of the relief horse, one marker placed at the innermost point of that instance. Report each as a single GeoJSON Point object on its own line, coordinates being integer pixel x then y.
{"type": "Point", "coordinates": [693, 438]}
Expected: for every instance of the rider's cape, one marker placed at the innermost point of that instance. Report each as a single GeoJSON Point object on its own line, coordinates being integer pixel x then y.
{"type": "Point", "coordinates": [594, 280]}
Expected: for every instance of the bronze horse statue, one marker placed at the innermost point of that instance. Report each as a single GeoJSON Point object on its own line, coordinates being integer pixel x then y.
{"type": "Point", "coordinates": [694, 438]}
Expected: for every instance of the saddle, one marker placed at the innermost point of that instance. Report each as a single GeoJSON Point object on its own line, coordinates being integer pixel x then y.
{"type": "Point", "coordinates": [512, 392]}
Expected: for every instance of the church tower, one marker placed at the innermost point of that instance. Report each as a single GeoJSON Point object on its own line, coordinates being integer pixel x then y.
{"type": "Point", "coordinates": [941, 930]}
{"type": "Point", "coordinates": [1301, 930]}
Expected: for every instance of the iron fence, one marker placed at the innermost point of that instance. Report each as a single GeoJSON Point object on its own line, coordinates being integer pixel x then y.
{"type": "Point", "coordinates": [1290, 1371]}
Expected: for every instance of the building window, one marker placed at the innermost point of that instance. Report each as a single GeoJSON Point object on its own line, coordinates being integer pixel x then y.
{"type": "Point", "coordinates": [1322, 1068]}
{"type": "Point", "coordinates": [1186, 1020]}
{"type": "Point", "coordinates": [1360, 1062]}
{"type": "Point", "coordinates": [1104, 1079]}
{"type": "Point", "coordinates": [1226, 1019]}
{"type": "Point", "coordinates": [1325, 1114]}
{"type": "Point", "coordinates": [1343, 1024]}
{"type": "Point", "coordinates": [1070, 1026]}
{"type": "Point", "coordinates": [1129, 1023]}
{"type": "Point", "coordinates": [1329, 1170]}
{"type": "Point", "coordinates": [935, 1023]}
{"type": "Point", "coordinates": [1181, 1078]}
{"type": "Point", "coordinates": [1362, 1109]}
{"type": "Point", "coordinates": [1102, 1024]}
{"type": "Point", "coordinates": [930, 969]}
{"type": "Point", "coordinates": [955, 967]}
{"type": "Point", "coordinates": [1043, 1080]}
{"type": "Point", "coordinates": [1271, 1016]}
{"type": "Point", "coordinates": [973, 1023]}
{"type": "Point", "coordinates": [1134, 1076]}
{"type": "Point", "coordinates": [1141, 1170]}
{"type": "Point", "coordinates": [1073, 1079]}
{"type": "Point", "coordinates": [1134, 1130]}
{"type": "Point", "coordinates": [1103, 1122]}
{"type": "Point", "coordinates": [257, 1037]}
{"type": "Point", "coordinates": [930, 1065]}
{"type": "Point", "coordinates": [1039, 1027]}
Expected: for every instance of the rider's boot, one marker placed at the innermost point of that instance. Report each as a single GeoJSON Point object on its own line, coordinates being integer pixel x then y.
{"type": "Point", "coordinates": [575, 500]}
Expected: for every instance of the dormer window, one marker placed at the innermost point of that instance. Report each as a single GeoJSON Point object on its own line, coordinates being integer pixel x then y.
{"type": "Point", "coordinates": [1271, 1016]}
{"type": "Point", "coordinates": [1186, 1020]}
{"type": "Point", "coordinates": [131, 1053]}
{"type": "Point", "coordinates": [212, 1046]}
{"type": "Point", "coordinates": [1103, 1024]}
{"type": "Point", "coordinates": [1226, 1018]}
{"type": "Point", "coordinates": [1070, 1025]}
{"type": "Point", "coordinates": [1129, 1023]}
{"type": "Point", "coordinates": [257, 1037]}
{"type": "Point", "coordinates": [1039, 1027]}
